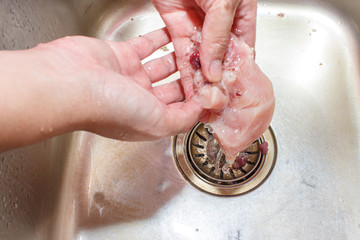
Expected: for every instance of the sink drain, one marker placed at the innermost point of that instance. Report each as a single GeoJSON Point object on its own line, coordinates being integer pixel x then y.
{"type": "Point", "coordinates": [202, 163]}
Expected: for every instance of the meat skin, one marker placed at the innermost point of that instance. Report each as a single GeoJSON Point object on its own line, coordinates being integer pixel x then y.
{"type": "Point", "coordinates": [240, 107]}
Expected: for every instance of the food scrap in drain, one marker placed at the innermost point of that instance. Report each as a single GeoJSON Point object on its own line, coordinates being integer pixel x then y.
{"type": "Point", "coordinates": [264, 148]}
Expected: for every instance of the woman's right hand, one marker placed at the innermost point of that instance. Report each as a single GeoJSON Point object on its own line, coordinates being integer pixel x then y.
{"type": "Point", "coordinates": [216, 18]}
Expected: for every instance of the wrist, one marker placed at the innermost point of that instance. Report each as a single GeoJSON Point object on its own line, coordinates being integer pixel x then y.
{"type": "Point", "coordinates": [52, 90]}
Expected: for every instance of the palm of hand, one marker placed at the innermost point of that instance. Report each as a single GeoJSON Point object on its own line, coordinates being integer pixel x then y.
{"type": "Point", "coordinates": [124, 104]}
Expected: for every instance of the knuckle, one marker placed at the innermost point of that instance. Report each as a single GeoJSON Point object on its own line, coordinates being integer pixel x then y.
{"type": "Point", "coordinates": [228, 5]}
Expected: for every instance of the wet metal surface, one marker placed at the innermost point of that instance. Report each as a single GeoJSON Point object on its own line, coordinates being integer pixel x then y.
{"type": "Point", "coordinates": [81, 186]}
{"type": "Point", "coordinates": [201, 162]}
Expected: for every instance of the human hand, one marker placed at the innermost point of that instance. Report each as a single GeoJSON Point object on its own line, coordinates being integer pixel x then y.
{"type": "Point", "coordinates": [125, 104]}
{"type": "Point", "coordinates": [216, 18]}
{"type": "Point", "coordinates": [81, 83]}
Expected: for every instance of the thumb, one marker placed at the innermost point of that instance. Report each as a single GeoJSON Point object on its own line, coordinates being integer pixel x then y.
{"type": "Point", "coordinates": [218, 22]}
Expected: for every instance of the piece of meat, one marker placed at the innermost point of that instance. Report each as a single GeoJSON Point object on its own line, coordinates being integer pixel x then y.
{"type": "Point", "coordinates": [241, 106]}
{"type": "Point", "coordinates": [239, 162]}
{"type": "Point", "coordinates": [264, 148]}
{"type": "Point", "coordinates": [195, 60]}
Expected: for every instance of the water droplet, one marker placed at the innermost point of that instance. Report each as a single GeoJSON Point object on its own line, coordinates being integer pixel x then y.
{"type": "Point", "coordinates": [15, 205]}
{"type": "Point", "coordinates": [50, 129]}
{"type": "Point", "coordinates": [42, 129]}
{"type": "Point", "coordinates": [98, 103]}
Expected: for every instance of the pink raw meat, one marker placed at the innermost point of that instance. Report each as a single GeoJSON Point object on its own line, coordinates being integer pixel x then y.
{"type": "Point", "coordinates": [241, 106]}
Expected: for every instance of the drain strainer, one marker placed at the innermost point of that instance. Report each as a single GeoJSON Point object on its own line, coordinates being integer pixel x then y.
{"type": "Point", "coordinates": [201, 161]}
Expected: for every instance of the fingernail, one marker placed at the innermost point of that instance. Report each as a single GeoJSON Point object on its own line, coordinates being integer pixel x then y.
{"type": "Point", "coordinates": [215, 71]}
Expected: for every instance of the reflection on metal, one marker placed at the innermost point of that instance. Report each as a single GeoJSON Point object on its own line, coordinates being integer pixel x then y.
{"type": "Point", "coordinates": [194, 156]}
{"type": "Point", "coordinates": [310, 51]}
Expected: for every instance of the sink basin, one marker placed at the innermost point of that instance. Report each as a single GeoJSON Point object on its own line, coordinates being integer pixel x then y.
{"type": "Point", "coordinates": [83, 186]}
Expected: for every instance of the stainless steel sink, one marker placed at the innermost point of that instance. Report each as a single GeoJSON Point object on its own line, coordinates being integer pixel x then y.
{"type": "Point", "coordinates": [82, 186]}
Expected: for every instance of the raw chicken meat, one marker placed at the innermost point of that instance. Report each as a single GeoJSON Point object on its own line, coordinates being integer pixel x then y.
{"type": "Point", "coordinates": [240, 107]}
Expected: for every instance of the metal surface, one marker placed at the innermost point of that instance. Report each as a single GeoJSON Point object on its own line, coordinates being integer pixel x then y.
{"type": "Point", "coordinates": [82, 186]}
{"type": "Point", "coordinates": [203, 166]}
